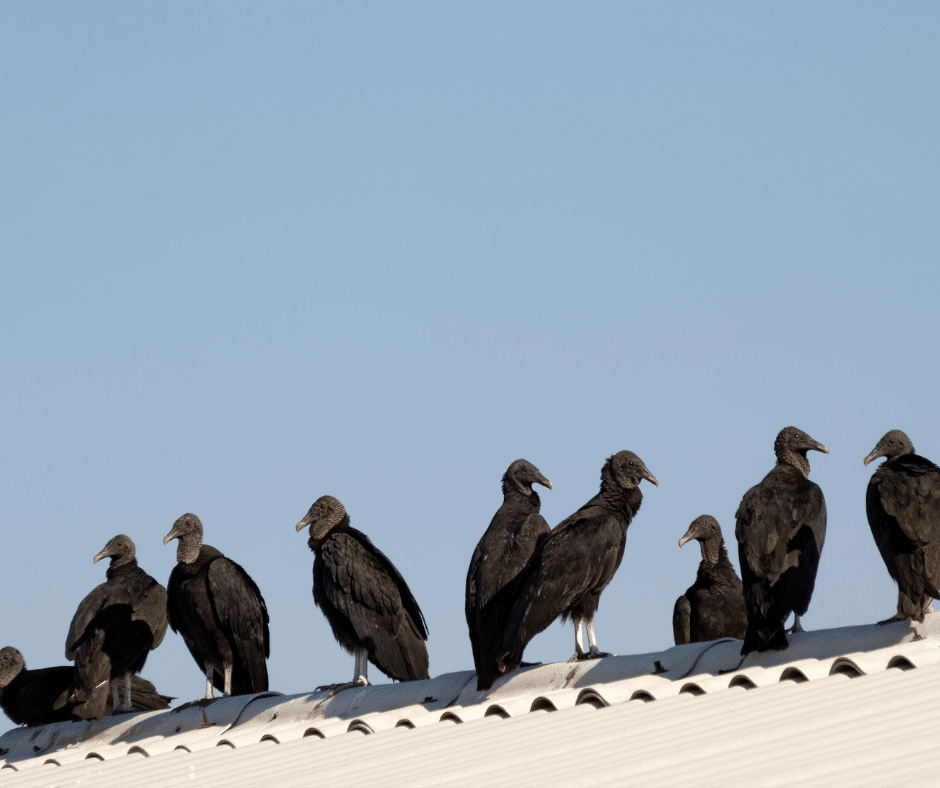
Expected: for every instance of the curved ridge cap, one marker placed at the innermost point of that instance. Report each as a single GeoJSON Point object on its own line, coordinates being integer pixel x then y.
{"type": "Point", "coordinates": [900, 662]}
{"type": "Point", "coordinates": [592, 697]}
{"type": "Point", "coordinates": [496, 710]}
{"type": "Point", "coordinates": [138, 749]}
{"type": "Point", "coordinates": [405, 723]}
{"type": "Point", "coordinates": [644, 695]}
{"type": "Point", "coordinates": [225, 743]}
{"type": "Point", "coordinates": [793, 674]}
{"type": "Point", "coordinates": [182, 747]}
{"type": "Point", "coordinates": [691, 688]}
{"type": "Point", "coordinates": [313, 732]}
{"type": "Point", "coordinates": [449, 716]}
{"type": "Point", "coordinates": [270, 737]}
{"type": "Point", "coordinates": [845, 666]}
{"type": "Point", "coordinates": [742, 680]}
{"type": "Point", "coordinates": [8, 766]}
{"type": "Point", "coordinates": [359, 726]}
{"type": "Point", "coordinates": [541, 703]}
{"type": "Point", "coordinates": [52, 761]}
{"type": "Point", "coordinates": [95, 755]}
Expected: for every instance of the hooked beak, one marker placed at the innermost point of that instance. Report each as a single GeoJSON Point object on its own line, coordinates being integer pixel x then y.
{"type": "Point", "coordinates": [820, 447]}
{"type": "Point", "coordinates": [170, 536]}
{"type": "Point", "coordinates": [545, 482]}
{"type": "Point", "coordinates": [103, 554]}
{"type": "Point", "coordinates": [647, 475]}
{"type": "Point", "coordinates": [875, 454]}
{"type": "Point", "coordinates": [688, 537]}
{"type": "Point", "coordinates": [305, 522]}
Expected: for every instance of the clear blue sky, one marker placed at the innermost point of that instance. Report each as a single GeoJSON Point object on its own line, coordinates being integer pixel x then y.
{"type": "Point", "coordinates": [251, 255]}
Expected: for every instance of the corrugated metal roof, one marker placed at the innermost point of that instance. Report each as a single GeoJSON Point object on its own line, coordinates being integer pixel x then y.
{"type": "Point", "coordinates": [852, 706]}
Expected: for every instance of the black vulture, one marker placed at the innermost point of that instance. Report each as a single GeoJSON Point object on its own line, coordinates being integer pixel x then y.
{"type": "Point", "coordinates": [46, 695]}
{"type": "Point", "coordinates": [372, 612]}
{"type": "Point", "coordinates": [219, 611]}
{"type": "Point", "coordinates": [575, 562]}
{"type": "Point", "coordinates": [500, 555]}
{"type": "Point", "coordinates": [781, 527]}
{"type": "Point", "coordinates": [903, 503]}
{"type": "Point", "coordinates": [713, 606]}
{"type": "Point", "coordinates": [114, 629]}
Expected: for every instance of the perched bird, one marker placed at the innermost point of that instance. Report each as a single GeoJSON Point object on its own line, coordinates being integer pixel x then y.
{"type": "Point", "coordinates": [500, 555]}
{"type": "Point", "coordinates": [220, 613]}
{"type": "Point", "coordinates": [372, 612]}
{"type": "Point", "coordinates": [575, 562]}
{"type": "Point", "coordinates": [903, 504]}
{"type": "Point", "coordinates": [781, 528]}
{"type": "Point", "coordinates": [713, 606]}
{"type": "Point", "coordinates": [46, 695]}
{"type": "Point", "coordinates": [114, 629]}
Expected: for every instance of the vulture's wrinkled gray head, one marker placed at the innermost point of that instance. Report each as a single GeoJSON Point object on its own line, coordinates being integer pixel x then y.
{"type": "Point", "coordinates": [120, 549]}
{"type": "Point", "coordinates": [626, 470]}
{"type": "Point", "coordinates": [521, 475]}
{"type": "Point", "coordinates": [793, 440]}
{"type": "Point", "coordinates": [702, 528]}
{"type": "Point", "coordinates": [791, 446]}
{"type": "Point", "coordinates": [188, 529]}
{"type": "Point", "coordinates": [894, 444]}
{"type": "Point", "coordinates": [325, 514]}
{"type": "Point", "coordinates": [11, 664]}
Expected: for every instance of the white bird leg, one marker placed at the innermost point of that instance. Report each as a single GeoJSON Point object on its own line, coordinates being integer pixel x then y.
{"type": "Point", "coordinates": [578, 641]}
{"type": "Point", "coordinates": [797, 627]}
{"type": "Point", "coordinates": [127, 692]}
{"type": "Point", "coordinates": [115, 701]}
{"type": "Point", "coordinates": [362, 668]}
{"type": "Point", "coordinates": [209, 672]}
{"type": "Point", "coordinates": [592, 638]}
{"type": "Point", "coordinates": [228, 681]}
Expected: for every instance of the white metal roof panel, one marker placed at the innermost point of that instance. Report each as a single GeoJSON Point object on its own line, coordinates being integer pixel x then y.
{"type": "Point", "coordinates": [857, 705]}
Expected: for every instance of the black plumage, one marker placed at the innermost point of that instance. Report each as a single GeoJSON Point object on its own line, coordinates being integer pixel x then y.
{"type": "Point", "coordinates": [370, 608]}
{"type": "Point", "coordinates": [502, 552]}
{"type": "Point", "coordinates": [218, 610]}
{"type": "Point", "coordinates": [713, 606]}
{"type": "Point", "coordinates": [781, 528]}
{"type": "Point", "coordinates": [903, 504]}
{"type": "Point", "coordinates": [46, 695]}
{"type": "Point", "coordinates": [575, 562]}
{"type": "Point", "coordinates": [114, 629]}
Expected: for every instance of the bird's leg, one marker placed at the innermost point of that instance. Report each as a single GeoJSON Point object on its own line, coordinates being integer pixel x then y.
{"type": "Point", "coordinates": [209, 671]}
{"type": "Point", "coordinates": [928, 606]}
{"type": "Point", "coordinates": [593, 651]}
{"type": "Point", "coordinates": [362, 668]}
{"type": "Point", "coordinates": [115, 701]}
{"type": "Point", "coordinates": [797, 626]}
{"type": "Point", "coordinates": [228, 681]}
{"type": "Point", "coordinates": [127, 692]}
{"type": "Point", "coordinates": [578, 641]}
{"type": "Point", "coordinates": [360, 675]}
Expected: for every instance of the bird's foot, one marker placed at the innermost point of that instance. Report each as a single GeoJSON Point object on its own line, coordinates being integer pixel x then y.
{"type": "Point", "coordinates": [334, 688]}
{"type": "Point", "coordinates": [200, 703]}
{"type": "Point", "coordinates": [895, 617]}
{"type": "Point", "coordinates": [584, 656]}
{"type": "Point", "coordinates": [529, 664]}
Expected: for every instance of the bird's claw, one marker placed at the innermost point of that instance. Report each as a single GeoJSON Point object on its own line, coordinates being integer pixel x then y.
{"type": "Point", "coordinates": [334, 688]}
{"type": "Point", "coordinates": [198, 703]}
{"type": "Point", "coordinates": [585, 656]}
